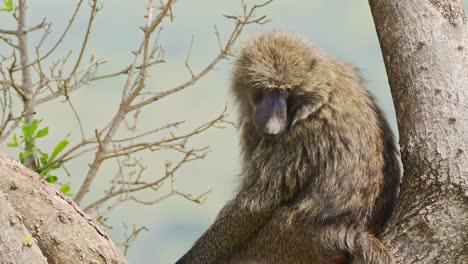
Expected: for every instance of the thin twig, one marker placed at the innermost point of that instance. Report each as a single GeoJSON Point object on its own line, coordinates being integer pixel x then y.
{"type": "Point", "coordinates": [92, 15]}
{"type": "Point", "coordinates": [127, 98]}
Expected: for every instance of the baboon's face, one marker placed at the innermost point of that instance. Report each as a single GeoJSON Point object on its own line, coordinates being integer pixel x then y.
{"type": "Point", "coordinates": [270, 110]}
{"type": "Point", "coordinates": [273, 71]}
{"type": "Point", "coordinates": [274, 111]}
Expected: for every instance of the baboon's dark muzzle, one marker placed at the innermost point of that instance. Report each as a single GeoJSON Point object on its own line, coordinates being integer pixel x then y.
{"type": "Point", "coordinates": [270, 116]}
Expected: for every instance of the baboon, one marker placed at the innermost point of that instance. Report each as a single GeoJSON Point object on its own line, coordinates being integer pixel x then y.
{"type": "Point", "coordinates": [320, 172]}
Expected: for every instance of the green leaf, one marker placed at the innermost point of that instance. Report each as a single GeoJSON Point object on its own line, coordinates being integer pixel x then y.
{"type": "Point", "coordinates": [26, 128]}
{"type": "Point", "coordinates": [28, 240]}
{"type": "Point", "coordinates": [43, 132]}
{"type": "Point", "coordinates": [54, 167]}
{"type": "Point", "coordinates": [65, 188]}
{"type": "Point", "coordinates": [8, 4]}
{"type": "Point", "coordinates": [60, 146]}
{"type": "Point", "coordinates": [52, 179]}
{"type": "Point", "coordinates": [44, 157]}
{"type": "Point", "coordinates": [41, 161]}
{"type": "Point", "coordinates": [44, 172]}
{"type": "Point", "coordinates": [24, 155]}
{"type": "Point", "coordinates": [14, 144]}
{"type": "Point", "coordinates": [33, 126]}
{"type": "Point", "coordinates": [29, 130]}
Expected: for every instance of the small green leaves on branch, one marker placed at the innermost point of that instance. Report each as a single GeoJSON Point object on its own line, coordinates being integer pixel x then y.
{"type": "Point", "coordinates": [42, 160]}
{"type": "Point", "coordinates": [60, 146]}
{"type": "Point", "coordinates": [9, 6]}
{"type": "Point", "coordinates": [65, 189]}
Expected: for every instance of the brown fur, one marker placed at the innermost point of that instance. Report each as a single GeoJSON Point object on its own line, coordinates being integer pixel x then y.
{"type": "Point", "coordinates": [321, 191]}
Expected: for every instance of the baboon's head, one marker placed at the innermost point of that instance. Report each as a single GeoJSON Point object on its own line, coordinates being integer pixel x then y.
{"type": "Point", "coordinates": [271, 77]}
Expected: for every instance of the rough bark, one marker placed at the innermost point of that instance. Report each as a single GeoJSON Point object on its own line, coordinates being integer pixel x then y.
{"type": "Point", "coordinates": [13, 235]}
{"type": "Point", "coordinates": [62, 232]}
{"type": "Point", "coordinates": [424, 44]}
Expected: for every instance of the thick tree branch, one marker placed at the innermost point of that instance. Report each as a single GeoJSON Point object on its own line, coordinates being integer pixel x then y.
{"type": "Point", "coordinates": [426, 58]}
{"type": "Point", "coordinates": [62, 232]}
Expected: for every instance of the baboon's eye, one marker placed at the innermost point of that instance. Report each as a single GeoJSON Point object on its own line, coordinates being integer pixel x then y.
{"type": "Point", "coordinates": [257, 96]}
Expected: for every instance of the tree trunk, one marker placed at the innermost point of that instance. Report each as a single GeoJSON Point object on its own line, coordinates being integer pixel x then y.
{"type": "Point", "coordinates": [424, 44]}
{"type": "Point", "coordinates": [62, 232]}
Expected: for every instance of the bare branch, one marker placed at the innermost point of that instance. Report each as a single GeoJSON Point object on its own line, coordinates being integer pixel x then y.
{"type": "Point", "coordinates": [25, 30]}
{"type": "Point", "coordinates": [8, 42]}
{"type": "Point", "coordinates": [92, 15]}
{"type": "Point", "coordinates": [187, 65]}
{"type": "Point", "coordinates": [75, 113]}
{"type": "Point", "coordinates": [111, 75]}
{"type": "Point", "coordinates": [131, 237]}
{"type": "Point", "coordinates": [7, 32]}
{"type": "Point", "coordinates": [171, 125]}
{"type": "Point", "coordinates": [218, 38]}
{"type": "Point", "coordinates": [68, 88]}
{"type": "Point", "coordinates": [127, 99]}
{"type": "Point", "coordinates": [239, 26]}
{"type": "Point", "coordinates": [163, 144]}
{"type": "Point", "coordinates": [157, 21]}
{"type": "Point", "coordinates": [5, 133]}
{"type": "Point", "coordinates": [170, 172]}
{"type": "Point", "coordinates": [43, 24]}
{"type": "Point", "coordinates": [65, 32]}
{"type": "Point", "coordinates": [18, 88]}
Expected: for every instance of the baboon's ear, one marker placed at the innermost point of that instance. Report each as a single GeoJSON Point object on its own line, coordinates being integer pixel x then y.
{"type": "Point", "coordinates": [301, 113]}
{"type": "Point", "coordinates": [304, 107]}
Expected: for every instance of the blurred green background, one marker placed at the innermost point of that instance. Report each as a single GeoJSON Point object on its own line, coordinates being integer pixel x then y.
{"type": "Point", "coordinates": [343, 29]}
